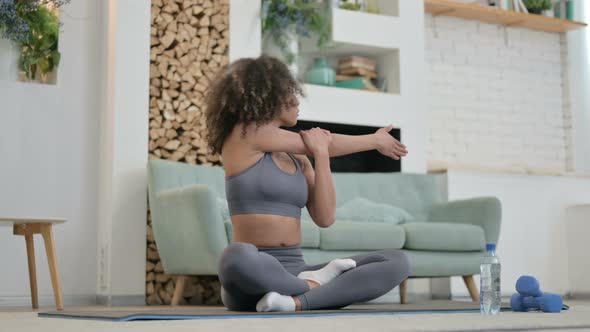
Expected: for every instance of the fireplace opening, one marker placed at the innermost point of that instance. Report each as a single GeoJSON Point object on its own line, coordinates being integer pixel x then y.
{"type": "Point", "coordinates": [360, 162]}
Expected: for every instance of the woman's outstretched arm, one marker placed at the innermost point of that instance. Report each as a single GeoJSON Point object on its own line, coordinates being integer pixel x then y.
{"type": "Point", "coordinates": [270, 138]}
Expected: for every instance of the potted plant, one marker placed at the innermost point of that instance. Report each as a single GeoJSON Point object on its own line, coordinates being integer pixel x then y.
{"type": "Point", "coordinates": [537, 6]}
{"type": "Point", "coordinates": [283, 21]}
{"type": "Point", "coordinates": [33, 25]}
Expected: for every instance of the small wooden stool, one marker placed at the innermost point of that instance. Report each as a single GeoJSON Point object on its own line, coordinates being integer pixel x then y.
{"type": "Point", "coordinates": [27, 227]}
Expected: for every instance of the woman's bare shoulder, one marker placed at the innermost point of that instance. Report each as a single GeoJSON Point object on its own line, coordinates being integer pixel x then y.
{"type": "Point", "coordinates": [238, 154]}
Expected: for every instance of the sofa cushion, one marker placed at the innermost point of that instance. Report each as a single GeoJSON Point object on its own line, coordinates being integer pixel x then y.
{"type": "Point", "coordinates": [444, 236]}
{"type": "Point", "coordinates": [310, 233]}
{"type": "Point", "coordinates": [355, 235]}
{"type": "Point", "coordinates": [362, 209]}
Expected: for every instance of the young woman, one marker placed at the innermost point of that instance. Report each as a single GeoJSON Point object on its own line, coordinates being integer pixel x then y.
{"type": "Point", "coordinates": [269, 179]}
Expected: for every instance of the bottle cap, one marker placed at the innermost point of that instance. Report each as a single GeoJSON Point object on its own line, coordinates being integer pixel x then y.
{"type": "Point", "coordinates": [491, 247]}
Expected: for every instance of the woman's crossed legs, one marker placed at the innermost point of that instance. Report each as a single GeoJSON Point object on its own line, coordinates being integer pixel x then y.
{"type": "Point", "coordinates": [247, 274]}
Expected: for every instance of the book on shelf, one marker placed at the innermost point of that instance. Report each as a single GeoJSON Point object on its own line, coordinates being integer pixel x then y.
{"type": "Point", "coordinates": [358, 60]}
{"type": "Point", "coordinates": [356, 83]}
{"type": "Point", "coordinates": [349, 65]}
{"type": "Point", "coordinates": [340, 77]}
{"type": "Point", "coordinates": [358, 72]}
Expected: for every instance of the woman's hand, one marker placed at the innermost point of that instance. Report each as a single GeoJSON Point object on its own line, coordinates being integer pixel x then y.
{"type": "Point", "coordinates": [389, 146]}
{"type": "Point", "coordinates": [317, 141]}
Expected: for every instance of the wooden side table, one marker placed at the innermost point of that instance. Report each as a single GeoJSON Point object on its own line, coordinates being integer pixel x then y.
{"type": "Point", "coordinates": [27, 227]}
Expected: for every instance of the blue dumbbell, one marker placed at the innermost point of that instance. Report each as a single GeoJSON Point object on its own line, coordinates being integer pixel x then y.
{"type": "Point", "coordinates": [530, 297]}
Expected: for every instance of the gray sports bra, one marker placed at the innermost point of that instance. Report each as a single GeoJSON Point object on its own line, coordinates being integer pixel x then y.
{"type": "Point", "coordinates": [266, 189]}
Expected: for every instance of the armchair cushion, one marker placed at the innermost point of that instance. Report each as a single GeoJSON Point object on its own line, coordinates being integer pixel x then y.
{"type": "Point", "coordinates": [438, 236]}
{"type": "Point", "coordinates": [485, 212]}
{"type": "Point", "coordinates": [192, 224]}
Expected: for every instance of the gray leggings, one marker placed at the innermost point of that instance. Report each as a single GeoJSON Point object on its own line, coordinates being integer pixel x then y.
{"type": "Point", "coordinates": [247, 272]}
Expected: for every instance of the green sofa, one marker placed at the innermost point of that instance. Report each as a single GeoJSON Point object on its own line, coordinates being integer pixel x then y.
{"type": "Point", "coordinates": [441, 239]}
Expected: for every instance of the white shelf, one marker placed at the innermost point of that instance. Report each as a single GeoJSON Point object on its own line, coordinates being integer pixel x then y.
{"type": "Point", "coordinates": [359, 33]}
{"type": "Point", "coordinates": [331, 104]}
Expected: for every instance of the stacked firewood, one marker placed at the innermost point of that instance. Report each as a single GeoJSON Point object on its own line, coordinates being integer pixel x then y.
{"type": "Point", "coordinates": [189, 43]}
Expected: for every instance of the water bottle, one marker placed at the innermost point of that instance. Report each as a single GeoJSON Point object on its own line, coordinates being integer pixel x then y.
{"type": "Point", "coordinates": [489, 292]}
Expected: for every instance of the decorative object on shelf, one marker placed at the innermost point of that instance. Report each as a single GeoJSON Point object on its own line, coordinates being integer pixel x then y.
{"type": "Point", "coordinates": [34, 26]}
{"type": "Point", "coordinates": [537, 6]}
{"type": "Point", "coordinates": [321, 73]}
{"type": "Point", "coordinates": [570, 10]}
{"type": "Point", "coordinates": [504, 4]}
{"type": "Point", "coordinates": [284, 20]}
{"type": "Point", "coordinates": [356, 72]}
{"type": "Point", "coordinates": [361, 83]}
{"type": "Point", "coordinates": [564, 9]}
{"type": "Point", "coordinates": [359, 66]}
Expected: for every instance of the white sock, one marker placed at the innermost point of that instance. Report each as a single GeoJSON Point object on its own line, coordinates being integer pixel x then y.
{"type": "Point", "coordinates": [274, 301]}
{"type": "Point", "coordinates": [328, 272]}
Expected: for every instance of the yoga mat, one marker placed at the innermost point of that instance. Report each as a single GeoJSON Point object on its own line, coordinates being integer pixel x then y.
{"type": "Point", "coordinates": [219, 312]}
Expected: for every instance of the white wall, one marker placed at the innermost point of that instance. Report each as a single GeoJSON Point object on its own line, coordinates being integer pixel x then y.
{"type": "Point", "coordinates": [512, 99]}
{"type": "Point", "coordinates": [49, 164]}
{"type": "Point", "coordinates": [533, 233]}
{"type": "Point", "coordinates": [122, 213]}
{"type": "Point", "coordinates": [494, 96]}
{"type": "Point", "coordinates": [578, 76]}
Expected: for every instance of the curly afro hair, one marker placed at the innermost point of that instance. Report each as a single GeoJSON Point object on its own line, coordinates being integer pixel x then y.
{"type": "Point", "coordinates": [249, 90]}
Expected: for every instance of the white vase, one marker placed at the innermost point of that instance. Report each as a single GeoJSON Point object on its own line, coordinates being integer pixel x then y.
{"type": "Point", "coordinates": [270, 48]}
{"type": "Point", "coordinates": [9, 55]}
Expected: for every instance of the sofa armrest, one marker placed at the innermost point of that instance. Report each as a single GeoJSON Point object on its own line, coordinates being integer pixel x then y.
{"type": "Point", "coordinates": [485, 212]}
{"type": "Point", "coordinates": [189, 232]}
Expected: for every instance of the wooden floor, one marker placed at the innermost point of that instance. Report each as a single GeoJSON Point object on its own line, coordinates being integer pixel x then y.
{"type": "Point", "coordinates": [576, 319]}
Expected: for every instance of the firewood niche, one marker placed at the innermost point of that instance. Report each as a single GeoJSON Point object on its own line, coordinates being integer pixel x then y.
{"type": "Point", "coordinates": [189, 43]}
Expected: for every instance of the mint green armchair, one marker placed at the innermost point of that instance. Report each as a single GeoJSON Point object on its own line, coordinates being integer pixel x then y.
{"type": "Point", "coordinates": [188, 229]}
{"type": "Point", "coordinates": [192, 226]}
{"type": "Point", "coordinates": [484, 212]}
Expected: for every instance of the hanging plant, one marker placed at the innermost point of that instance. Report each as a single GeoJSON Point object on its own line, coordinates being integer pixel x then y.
{"type": "Point", "coordinates": [12, 26]}
{"type": "Point", "coordinates": [34, 26]}
{"type": "Point", "coordinates": [304, 16]}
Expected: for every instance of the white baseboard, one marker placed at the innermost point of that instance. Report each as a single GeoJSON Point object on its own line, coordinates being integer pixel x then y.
{"type": "Point", "coordinates": [577, 296]}
{"type": "Point", "coordinates": [75, 300]}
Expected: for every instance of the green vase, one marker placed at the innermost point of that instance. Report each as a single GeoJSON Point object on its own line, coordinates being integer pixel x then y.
{"type": "Point", "coordinates": [321, 73]}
